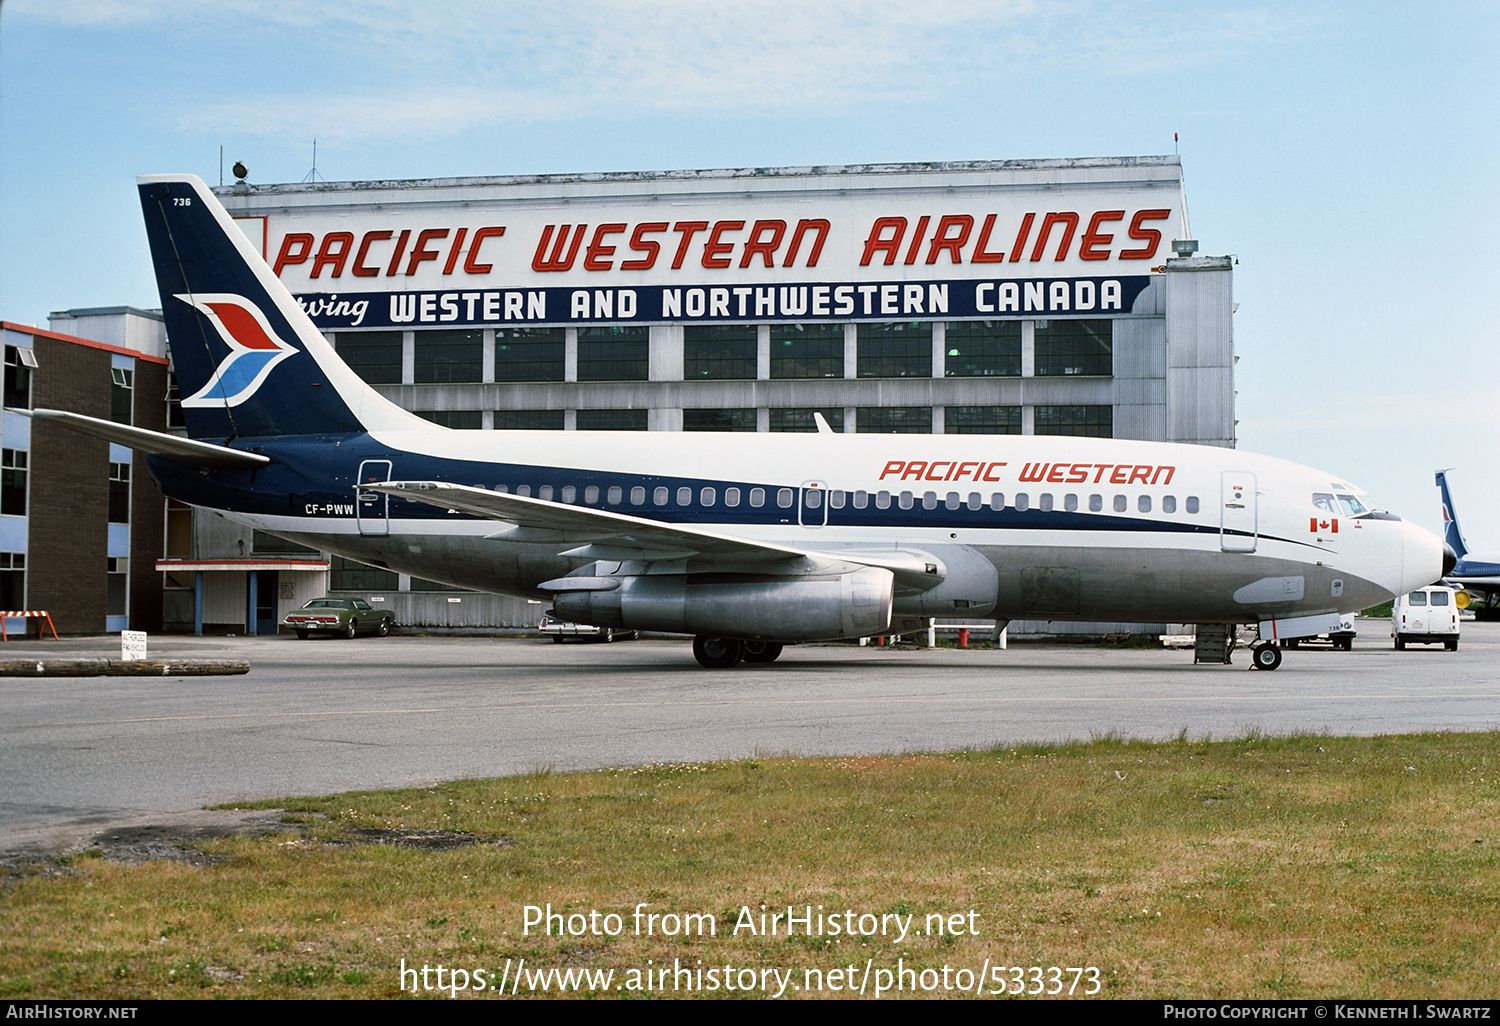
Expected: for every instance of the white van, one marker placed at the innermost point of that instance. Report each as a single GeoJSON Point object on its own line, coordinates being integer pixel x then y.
{"type": "Point", "coordinates": [1426, 617]}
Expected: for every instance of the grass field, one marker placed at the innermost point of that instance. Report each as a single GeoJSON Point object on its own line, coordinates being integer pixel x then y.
{"type": "Point", "coordinates": [1257, 867]}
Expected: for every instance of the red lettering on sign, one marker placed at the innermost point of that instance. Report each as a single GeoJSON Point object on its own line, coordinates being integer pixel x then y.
{"type": "Point", "coordinates": [458, 244]}
{"type": "Point", "coordinates": [328, 255]}
{"type": "Point", "coordinates": [765, 247]}
{"type": "Point", "coordinates": [592, 258]}
{"type": "Point", "coordinates": [395, 264]}
{"type": "Point", "coordinates": [916, 240]}
{"type": "Point", "coordinates": [288, 255]}
{"type": "Point", "coordinates": [1092, 236]}
{"type": "Point", "coordinates": [713, 247]}
{"type": "Point", "coordinates": [556, 262]}
{"type": "Point", "coordinates": [877, 242]}
{"type": "Point", "coordinates": [1019, 248]}
{"type": "Point", "coordinates": [471, 262]}
{"type": "Point", "coordinates": [1066, 217]}
{"type": "Point", "coordinates": [359, 268]}
{"type": "Point", "coordinates": [1150, 236]}
{"type": "Point", "coordinates": [686, 229]}
{"type": "Point", "coordinates": [421, 252]}
{"type": "Point", "coordinates": [646, 246]}
{"type": "Point", "coordinates": [817, 224]}
{"type": "Point", "coordinates": [954, 244]}
{"type": "Point", "coordinates": [982, 255]}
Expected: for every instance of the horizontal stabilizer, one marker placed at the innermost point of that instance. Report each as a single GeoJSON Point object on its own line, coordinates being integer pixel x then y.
{"type": "Point", "coordinates": [155, 443]}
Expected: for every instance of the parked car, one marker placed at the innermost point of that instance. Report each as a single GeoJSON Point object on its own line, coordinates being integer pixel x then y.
{"type": "Point", "coordinates": [1426, 617]}
{"type": "Point", "coordinates": [342, 616]}
{"type": "Point", "coordinates": [559, 629]}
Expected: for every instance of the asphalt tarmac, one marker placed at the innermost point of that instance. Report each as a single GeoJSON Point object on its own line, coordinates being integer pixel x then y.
{"type": "Point", "coordinates": [329, 715]}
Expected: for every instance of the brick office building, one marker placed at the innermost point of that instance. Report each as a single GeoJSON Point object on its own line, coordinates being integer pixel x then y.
{"type": "Point", "coordinates": [81, 523]}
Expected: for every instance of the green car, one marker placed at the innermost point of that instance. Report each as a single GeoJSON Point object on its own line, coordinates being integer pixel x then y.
{"type": "Point", "coordinates": [346, 617]}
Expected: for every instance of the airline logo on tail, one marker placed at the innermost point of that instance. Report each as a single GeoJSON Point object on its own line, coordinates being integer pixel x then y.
{"type": "Point", "coordinates": [254, 350]}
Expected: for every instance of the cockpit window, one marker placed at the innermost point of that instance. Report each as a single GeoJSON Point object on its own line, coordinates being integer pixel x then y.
{"type": "Point", "coordinates": [1324, 502]}
{"type": "Point", "coordinates": [1352, 506]}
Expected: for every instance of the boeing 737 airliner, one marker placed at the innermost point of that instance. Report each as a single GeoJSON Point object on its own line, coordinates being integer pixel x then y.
{"type": "Point", "coordinates": [748, 542]}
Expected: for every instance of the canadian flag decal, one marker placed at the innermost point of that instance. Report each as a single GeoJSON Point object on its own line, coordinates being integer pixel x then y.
{"type": "Point", "coordinates": [1331, 526]}
{"type": "Point", "coordinates": [253, 349]}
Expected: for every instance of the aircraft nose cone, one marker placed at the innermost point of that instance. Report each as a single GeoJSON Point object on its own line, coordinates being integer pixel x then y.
{"type": "Point", "coordinates": [1450, 559]}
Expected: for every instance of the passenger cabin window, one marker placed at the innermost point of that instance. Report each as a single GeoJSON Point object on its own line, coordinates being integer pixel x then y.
{"type": "Point", "coordinates": [707, 496]}
{"type": "Point", "coordinates": [757, 497]}
{"type": "Point", "coordinates": [1121, 504]}
{"type": "Point", "coordinates": [1096, 503]}
{"type": "Point", "coordinates": [638, 496]}
{"type": "Point", "coordinates": [684, 496]}
{"type": "Point", "coordinates": [659, 496]}
{"type": "Point", "coordinates": [784, 498]}
{"type": "Point", "coordinates": [1169, 504]}
{"type": "Point", "coordinates": [882, 500]}
{"type": "Point", "coordinates": [731, 496]}
{"type": "Point", "coordinates": [1192, 503]}
{"type": "Point", "coordinates": [1070, 503]}
{"type": "Point", "coordinates": [1045, 502]}
{"type": "Point", "coordinates": [615, 494]}
{"type": "Point", "coordinates": [1023, 501]}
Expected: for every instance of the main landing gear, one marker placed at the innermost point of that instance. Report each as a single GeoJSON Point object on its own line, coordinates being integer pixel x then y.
{"type": "Point", "coordinates": [722, 653]}
{"type": "Point", "coordinates": [1265, 656]}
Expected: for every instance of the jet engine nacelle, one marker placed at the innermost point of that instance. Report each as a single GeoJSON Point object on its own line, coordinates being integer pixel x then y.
{"type": "Point", "coordinates": [815, 607]}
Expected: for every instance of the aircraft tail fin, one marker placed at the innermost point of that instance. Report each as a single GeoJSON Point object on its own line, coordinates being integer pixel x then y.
{"type": "Point", "coordinates": [1451, 533]}
{"type": "Point", "coordinates": [249, 361]}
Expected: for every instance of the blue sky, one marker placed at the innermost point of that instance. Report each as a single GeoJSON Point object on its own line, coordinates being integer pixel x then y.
{"type": "Point", "coordinates": [1344, 152]}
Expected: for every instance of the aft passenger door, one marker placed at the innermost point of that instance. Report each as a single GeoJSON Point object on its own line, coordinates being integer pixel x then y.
{"type": "Point", "coordinates": [372, 509]}
{"type": "Point", "coordinates": [1237, 511]}
{"type": "Point", "coordinates": [812, 508]}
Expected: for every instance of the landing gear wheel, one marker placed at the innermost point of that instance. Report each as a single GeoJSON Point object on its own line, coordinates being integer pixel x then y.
{"type": "Point", "coordinates": [717, 653]}
{"type": "Point", "coordinates": [762, 651]}
{"type": "Point", "coordinates": [1265, 656]}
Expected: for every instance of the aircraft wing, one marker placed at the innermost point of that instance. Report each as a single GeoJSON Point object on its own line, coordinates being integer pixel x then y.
{"type": "Point", "coordinates": [584, 532]}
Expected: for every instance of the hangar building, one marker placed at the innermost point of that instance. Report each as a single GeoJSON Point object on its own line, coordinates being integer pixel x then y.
{"type": "Point", "coordinates": [1021, 297]}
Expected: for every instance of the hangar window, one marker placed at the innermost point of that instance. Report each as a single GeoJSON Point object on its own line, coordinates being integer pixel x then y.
{"type": "Point", "coordinates": [897, 350]}
{"type": "Point", "coordinates": [618, 353]}
{"type": "Point", "coordinates": [529, 354]}
{"type": "Point", "coordinates": [929, 500]}
{"type": "Point", "coordinates": [347, 575]}
{"type": "Point", "coordinates": [1085, 421]}
{"type": "Point", "coordinates": [731, 496]}
{"type": "Point", "coordinates": [784, 498]}
{"type": "Point", "coordinates": [1192, 503]}
{"type": "Point", "coordinates": [1096, 503]}
{"type": "Point", "coordinates": [900, 420]}
{"type": "Point", "coordinates": [1023, 501]}
{"type": "Point", "coordinates": [1143, 504]}
{"type": "Point", "coordinates": [757, 497]}
{"type": "Point", "coordinates": [882, 500]}
{"type": "Point", "coordinates": [659, 495]}
{"type": "Point", "coordinates": [1121, 504]}
{"type": "Point", "coordinates": [1074, 347]}
{"type": "Point", "coordinates": [982, 420]}
{"type": "Point", "coordinates": [13, 482]}
{"type": "Point", "coordinates": [122, 395]}
{"type": "Point", "coordinates": [718, 420]}
{"type": "Point", "coordinates": [718, 352]}
{"type": "Point", "coordinates": [1045, 501]}
{"type": "Point", "coordinates": [119, 493]}
{"type": "Point", "coordinates": [802, 419]}
{"type": "Point", "coordinates": [905, 501]}
{"type": "Point", "coordinates": [18, 365]}
{"type": "Point", "coordinates": [13, 580]}
{"type": "Point", "coordinates": [807, 351]}
{"type": "Point", "coordinates": [1169, 504]}
{"type": "Point", "coordinates": [459, 420]}
{"type": "Point", "coordinates": [684, 496]}
{"type": "Point", "coordinates": [1070, 502]}
{"type": "Point", "coordinates": [997, 501]}
{"type": "Point", "coordinates": [442, 357]}
{"type": "Point", "coordinates": [983, 349]}
{"type": "Point", "coordinates": [707, 496]}
{"type": "Point", "coordinates": [373, 355]}
{"type": "Point", "coordinates": [528, 420]}
{"type": "Point", "coordinates": [611, 420]}
{"type": "Point", "coordinates": [117, 586]}
{"type": "Point", "coordinates": [861, 500]}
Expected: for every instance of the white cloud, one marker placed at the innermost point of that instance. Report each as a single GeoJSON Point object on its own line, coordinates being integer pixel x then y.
{"type": "Point", "coordinates": [428, 70]}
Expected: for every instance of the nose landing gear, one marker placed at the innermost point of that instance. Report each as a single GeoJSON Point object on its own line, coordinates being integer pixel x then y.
{"type": "Point", "coordinates": [1265, 656]}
